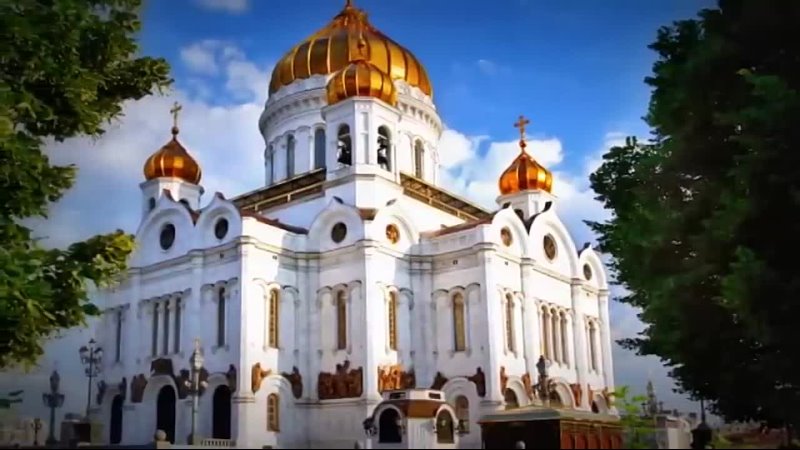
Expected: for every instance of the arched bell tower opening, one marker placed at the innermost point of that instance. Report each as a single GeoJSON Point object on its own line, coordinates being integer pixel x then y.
{"type": "Point", "coordinates": [344, 145]}
{"type": "Point", "coordinates": [384, 148]}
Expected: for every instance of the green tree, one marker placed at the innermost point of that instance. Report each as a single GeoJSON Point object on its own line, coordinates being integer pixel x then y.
{"type": "Point", "coordinates": [704, 232]}
{"type": "Point", "coordinates": [639, 430]}
{"type": "Point", "coordinates": [66, 67]}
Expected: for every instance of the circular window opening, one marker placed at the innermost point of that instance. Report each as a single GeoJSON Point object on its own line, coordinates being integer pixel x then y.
{"type": "Point", "coordinates": [221, 228]}
{"type": "Point", "coordinates": [392, 233]}
{"type": "Point", "coordinates": [339, 232]}
{"type": "Point", "coordinates": [151, 203]}
{"type": "Point", "coordinates": [587, 271]}
{"type": "Point", "coordinates": [505, 236]}
{"type": "Point", "coordinates": [167, 237]}
{"type": "Point", "coordinates": [549, 247]}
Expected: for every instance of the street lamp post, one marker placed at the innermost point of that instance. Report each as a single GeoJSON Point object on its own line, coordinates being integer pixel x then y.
{"type": "Point", "coordinates": [37, 426]}
{"type": "Point", "coordinates": [53, 400]}
{"type": "Point", "coordinates": [92, 359]}
{"type": "Point", "coordinates": [195, 386]}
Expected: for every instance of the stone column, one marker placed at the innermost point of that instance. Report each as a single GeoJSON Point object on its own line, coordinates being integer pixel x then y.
{"type": "Point", "coordinates": [579, 342]}
{"type": "Point", "coordinates": [241, 292]}
{"type": "Point", "coordinates": [530, 323]}
{"type": "Point", "coordinates": [374, 310]}
{"type": "Point", "coordinates": [605, 342]}
{"type": "Point", "coordinates": [494, 322]}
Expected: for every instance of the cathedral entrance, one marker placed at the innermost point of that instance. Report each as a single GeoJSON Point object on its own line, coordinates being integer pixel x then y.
{"type": "Point", "coordinates": [165, 412]}
{"type": "Point", "coordinates": [115, 430]}
{"type": "Point", "coordinates": [221, 427]}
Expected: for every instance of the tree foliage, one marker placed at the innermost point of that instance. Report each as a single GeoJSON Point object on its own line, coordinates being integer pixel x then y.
{"type": "Point", "coordinates": [704, 232]}
{"type": "Point", "coordinates": [639, 430]}
{"type": "Point", "coordinates": [66, 68]}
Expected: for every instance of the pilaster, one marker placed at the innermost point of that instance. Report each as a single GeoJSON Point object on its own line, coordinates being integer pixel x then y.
{"type": "Point", "coordinates": [494, 317]}
{"type": "Point", "coordinates": [579, 335]}
{"type": "Point", "coordinates": [530, 323]}
{"type": "Point", "coordinates": [605, 339]}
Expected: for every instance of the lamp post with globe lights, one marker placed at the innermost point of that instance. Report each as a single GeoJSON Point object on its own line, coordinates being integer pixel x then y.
{"type": "Point", "coordinates": [92, 360]}
{"type": "Point", "coordinates": [53, 400]}
{"type": "Point", "coordinates": [195, 386]}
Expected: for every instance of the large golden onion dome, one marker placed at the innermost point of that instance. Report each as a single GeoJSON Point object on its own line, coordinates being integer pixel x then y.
{"type": "Point", "coordinates": [336, 45]}
{"type": "Point", "coordinates": [172, 160]}
{"type": "Point", "coordinates": [524, 173]}
{"type": "Point", "coordinates": [361, 79]}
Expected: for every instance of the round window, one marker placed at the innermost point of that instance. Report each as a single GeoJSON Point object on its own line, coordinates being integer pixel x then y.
{"type": "Point", "coordinates": [587, 271]}
{"type": "Point", "coordinates": [505, 236]}
{"type": "Point", "coordinates": [221, 228]}
{"type": "Point", "coordinates": [338, 232]}
{"type": "Point", "coordinates": [392, 233]}
{"type": "Point", "coordinates": [549, 247]}
{"type": "Point", "coordinates": [167, 237]}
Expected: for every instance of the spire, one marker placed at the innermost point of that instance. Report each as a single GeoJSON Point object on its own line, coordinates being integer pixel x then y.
{"type": "Point", "coordinates": [176, 108]}
{"type": "Point", "coordinates": [348, 3]}
{"type": "Point", "coordinates": [521, 123]}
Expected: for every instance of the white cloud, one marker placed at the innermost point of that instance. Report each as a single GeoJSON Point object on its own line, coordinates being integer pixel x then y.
{"type": "Point", "coordinates": [199, 57]}
{"type": "Point", "coordinates": [231, 6]}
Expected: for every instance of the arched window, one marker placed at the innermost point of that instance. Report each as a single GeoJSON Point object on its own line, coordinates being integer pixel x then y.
{"type": "Point", "coordinates": [389, 427]}
{"type": "Point", "coordinates": [593, 346]}
{"type": "Point", "coordinates": [445, 431]}
{"type": "Point", "coordinates": [555, 399]}
{"type": "Point", "coordinates": [564, 340]}
{"type": "Point", "coordinates": [154, 342]}
{"type": "Point", "coordinates": [344, 145]}
{"type": "Point", "coordinates": [341, 320]}
{"type": "Point", "coordinates": [392, 306]}
{"type": "Point", "coordinates": [273, 413]}
{"type": "Point", "coordinates": [459, 331]}
{"type": "Point", "coordinates": [548, 335]}
{"type": "Point", "coordinates": [511, 399]}
{"type": "Point", "coordinates": [274, 299]}
{"type": "Point", "coordinates": [221, 317]}
{"type": "Point", "coordinates": [384, 148]}
{"type": "Point", "coordinates": [177, 340]}
{"type": "Point", "coordinates": [419, 160]}
{"type": "Point", "coordinates": [510, 323]}
{"type": "Point", "coordinates": [543, 332]}
{"type": "Point", "coordinates": [290, 144]}
{"type": "Point", "coordinates": [555, 339]}
{"type": "Point", "coordinates": [462, 411]}
{"type": "Point", "coordinates": [319, 148]}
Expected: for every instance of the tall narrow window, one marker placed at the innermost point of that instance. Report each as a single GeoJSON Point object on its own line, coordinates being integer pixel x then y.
{"type": "Point", "coordinates": [564, 340]}
{"type": "Point", "coordinates": [462, 411]}
{"type": "Point", "coordinates": [319, 148]}
{"type": "Point", "coordinates": [392, 320]}
{"type": "Point", "coordinates": [290, 156]}
{"type": "Point", "coordinates": [384, 148]}
{"type": "Point", "coordinates": [221, 317]}
{"type": "Point", "coordinates": [460, 338]}
{"type": "Point", "coordinates": [118, 341]}
{"type": "Point", "coordinates": [555, 339]}
{"type": "Point", "coordinates": [165, 342]}
{"type": "Point", "coordinates": [510, 323]}
{"type": "Point", "coordinates": [548, 336]}
{"type": "Point", "coordinates": [176, 341]}
{"type": "Point", "coordinates": [341, 320]}
{"type": "Point", "coordinates": [273, 318]}
{"type": "Point", "coordinates": [271, 164]}
{"type": "Point", "coordinates": [419, 160]}
{"type": "Point", "coordinates": [344, 145]}
{"type": "Point", "coordinates": [592, 346]}
{"type": "Point", "coordinates": [273, 413]}
{"type": "Point", "coordinates": [154, 346]}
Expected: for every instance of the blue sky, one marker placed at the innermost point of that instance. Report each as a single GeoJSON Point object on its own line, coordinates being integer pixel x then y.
{"type": "Point", "coordinates": [574, 68]}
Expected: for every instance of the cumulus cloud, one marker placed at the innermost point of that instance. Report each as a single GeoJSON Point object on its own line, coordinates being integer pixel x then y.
{"type": "Point", "coordinates": [243, 79]}
{"type": "Point", "coordinates": [230, 6]}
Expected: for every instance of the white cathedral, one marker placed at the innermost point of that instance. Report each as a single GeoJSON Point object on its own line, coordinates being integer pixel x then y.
{"type": "Point", "coordinates": [350, 274]}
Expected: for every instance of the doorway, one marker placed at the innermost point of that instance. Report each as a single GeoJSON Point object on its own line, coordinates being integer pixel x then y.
{"type": "Point", "coordinates": [221, 426]}
{"type": "Point", "coordinates": [115, 430]}
{"type": "Point", "coordinates": [165, 412]}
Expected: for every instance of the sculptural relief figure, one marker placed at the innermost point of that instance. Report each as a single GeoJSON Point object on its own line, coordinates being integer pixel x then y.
{"type": "Point", "coordinates": [439, 381]}
{"type": "Point", "coordinates": [230, 375]}
{"type": "Point", "coordinates": [526, 381]}
{"type": "Point", "coordinates": [257, 376]}
{"type": "Point", "coordinates": [296, 380]}
{"type": "Point", "coordinates": [503, 379]}
{"type": "Point", "coordinates": [577, 392]}
{"type": "Point", "coordinates": [345, 383]}
{"type": "Point", "coordinates": [480, 381]}
{"type": "Point", "coordinates": [392, 378]}
{"type": "Point", "coordinates": [138, 384]}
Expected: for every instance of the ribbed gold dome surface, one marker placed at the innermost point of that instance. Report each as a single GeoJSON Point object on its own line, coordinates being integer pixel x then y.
{"type": "Point", "coordinates": [524, 173]}
{"type": "Point", "coordinates": [361, 79]}
{"type": "Point", "coordinates": [172, 160]}
{"type": "Point", "coordinates": [335, 46]}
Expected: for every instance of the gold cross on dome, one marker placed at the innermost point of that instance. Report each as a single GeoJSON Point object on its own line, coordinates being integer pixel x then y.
{"type": "Point", "coordinates": [176, 108]}
{"type": "Point", "coordinates": [520, 123]}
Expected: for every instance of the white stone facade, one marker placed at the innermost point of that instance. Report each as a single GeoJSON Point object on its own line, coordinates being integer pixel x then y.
{"type": "Point", "coordinates": [487, 274]}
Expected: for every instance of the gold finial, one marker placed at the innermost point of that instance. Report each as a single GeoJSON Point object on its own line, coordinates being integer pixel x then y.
{"type": "Point", "coordinates": [348, 3]}
{"type": "Point", "coordinates": [176, 107]}
{"type": "Point", "coordinates": [197, 344]}
{"type": "Point", "coordinates": [520, 123]}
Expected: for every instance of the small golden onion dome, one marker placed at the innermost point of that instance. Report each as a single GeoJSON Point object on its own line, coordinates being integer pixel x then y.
{"type": "Point", "coordinates": [172, 160]}
{"type": "Point", "coordinates": [361, 79]}
{"type": "Point", "coordinates": [524, 173]}
{"type": "Point", "coordinates": [336, 45]}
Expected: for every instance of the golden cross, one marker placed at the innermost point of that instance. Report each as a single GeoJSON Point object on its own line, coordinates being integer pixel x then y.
{"type": "Point", "coordinates": [348, 4]}
{"type": "Point", "coordinates": [175, 109]}
{"type": "Point", "coordinates": [520, 123]}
